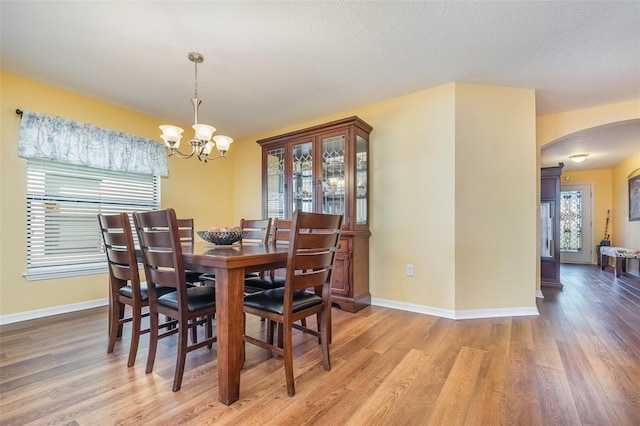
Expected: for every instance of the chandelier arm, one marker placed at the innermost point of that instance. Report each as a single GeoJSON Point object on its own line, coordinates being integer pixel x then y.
{"type": "Point", "coordinates": [201, 154]}
{"type": "Point", "coordinates": [205, 157]}
{"type": "Point", "coordinates": [180, 154]}
{"type": "Point", "coordinates": [194, 149]}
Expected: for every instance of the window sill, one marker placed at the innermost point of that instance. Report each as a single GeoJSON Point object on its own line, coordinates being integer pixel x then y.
{"type": "Point", "coordinates": [53, 272]}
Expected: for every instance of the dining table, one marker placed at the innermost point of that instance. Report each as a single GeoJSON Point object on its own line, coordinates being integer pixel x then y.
{"type": "Point", "coordinates": [230, 264]}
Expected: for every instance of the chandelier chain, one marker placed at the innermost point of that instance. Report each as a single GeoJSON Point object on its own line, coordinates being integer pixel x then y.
{"type": "Point", "coordinates": [195, 85]}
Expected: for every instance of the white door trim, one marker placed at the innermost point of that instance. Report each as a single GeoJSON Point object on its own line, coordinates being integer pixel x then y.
{"type": "Point", "coordinates": [588, 254]}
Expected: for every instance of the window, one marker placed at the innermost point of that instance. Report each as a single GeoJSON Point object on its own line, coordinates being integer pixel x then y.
{"type": "Point", "coordinates": [63, 201]}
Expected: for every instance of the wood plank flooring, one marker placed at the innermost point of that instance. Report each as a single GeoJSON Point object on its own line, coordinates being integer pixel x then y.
{"type": "Point", "coordinates": [578, 363]}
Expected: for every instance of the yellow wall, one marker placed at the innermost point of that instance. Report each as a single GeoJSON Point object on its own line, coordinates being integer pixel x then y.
{"type": "Point", "coordinates": [601, 198]}
{"type": "Point", "coordinates": [496, 202]}
{"type": "Point", "coordinates": [413, 197]}
{"type": "Point", "coordinates": [193, 189]}
{"type": "Point", "coordinates": [625, 233]}
{"type": "Point", "coordinates": [441, 164]}
{"type": "Point", "coordinates": [554, 126]}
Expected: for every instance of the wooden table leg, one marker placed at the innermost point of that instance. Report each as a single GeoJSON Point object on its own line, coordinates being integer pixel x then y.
{"type": "Point", "coordinates": [618, 266]}
{"type": "Point", "coordinates": [229, 307]}
{"type": "Point", "coordinates": [603, 261]}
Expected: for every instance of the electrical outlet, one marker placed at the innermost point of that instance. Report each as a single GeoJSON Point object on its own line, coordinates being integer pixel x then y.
{"type": "Point", "coordinates": [409, 270]}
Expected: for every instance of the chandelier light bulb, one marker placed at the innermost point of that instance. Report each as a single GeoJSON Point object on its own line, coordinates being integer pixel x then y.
{"type": "Point", "coordinates": [203, 131]}
{"type": "Point", "coordinates": [208, 147]}
{"type": "Point", "coordinates": [171, 135]}
{"type": "Point", "coordinates": [222, 142]}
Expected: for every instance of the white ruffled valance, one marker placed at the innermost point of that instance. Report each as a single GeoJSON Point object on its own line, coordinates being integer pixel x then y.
{"type": "Point", "coordinates": [59, 139]}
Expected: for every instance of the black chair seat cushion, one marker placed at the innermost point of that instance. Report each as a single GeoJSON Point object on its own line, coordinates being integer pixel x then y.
{"type": "Point", "coordinates": [198, 298]}
{"type": "Point", "coordinates": [127, 291]}
{"type": "Point", "coordinates": [193, 277]}
{"type": "Point", "coordinates": [272, 300]}
{"type": "Point", "coordinates": [265, 283]}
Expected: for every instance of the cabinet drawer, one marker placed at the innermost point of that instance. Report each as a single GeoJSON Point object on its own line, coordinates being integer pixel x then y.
{"type": "Point", "coordinates": [344, 246]}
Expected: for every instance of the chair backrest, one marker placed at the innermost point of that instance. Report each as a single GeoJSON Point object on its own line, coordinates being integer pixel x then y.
{"type": "Point", "coordinates": [255, 230]}
{"type": "Point", "coordinates": [161, 251]}
{"type": "Point", "coordinates": [185, 231]}
{"type": "Point", "coordinates": [120, 250]}
{"type": "Point", "coordinates": [281, 231]}
{"type": "Point", "coordinates": [312, 247]}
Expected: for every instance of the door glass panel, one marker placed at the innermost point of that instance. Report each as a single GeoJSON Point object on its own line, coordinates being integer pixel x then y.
{"type": "Point", "coordinates": [576, 243]}
{"type": "Point", "coordinates": [275, 183]}
{"type": "Point", "coordinates": [362, 179]}
{"type": "Point", "coordinates": [333, 182]}
{"type": "Point", "coordinates": [571, 221]}
{"type": "Point", "coordinates": [303, 177]}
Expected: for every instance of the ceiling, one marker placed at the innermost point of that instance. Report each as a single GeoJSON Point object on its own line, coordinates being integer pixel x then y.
{"type": "Point", "coordinates": [269, 65]}
{"type": "Point", "coordinates": [605, 145]}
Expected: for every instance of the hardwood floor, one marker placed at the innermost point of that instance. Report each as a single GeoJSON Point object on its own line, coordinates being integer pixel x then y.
{"type": "Point", "coordinates": [577, 363]}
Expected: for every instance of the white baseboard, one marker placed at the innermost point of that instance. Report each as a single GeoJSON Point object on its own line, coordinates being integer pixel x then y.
{"type": "Point", "coordinates": [46, 312]}
{"type": "Point", "coordinates": [539, 294]}
{"type": "Point", "coordinates": [445, 313]}
{"type": "Point", "coordinates": [421, 309]}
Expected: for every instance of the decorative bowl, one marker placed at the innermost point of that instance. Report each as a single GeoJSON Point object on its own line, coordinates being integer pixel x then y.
{"type": "Point", "coordinates": [221, 238]}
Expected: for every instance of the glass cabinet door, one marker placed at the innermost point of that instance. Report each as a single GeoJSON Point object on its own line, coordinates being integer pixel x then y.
{"type": "Point", "coordinates": [333, 174]}
{"type": "Point", "coordinates": [362, 178]}
{"type": "Point", "coordinates": [547, 225]}
{"type": "Point", "coordinates": [303, 179]}
{"type": "Point", "coordinates": [276, 183]}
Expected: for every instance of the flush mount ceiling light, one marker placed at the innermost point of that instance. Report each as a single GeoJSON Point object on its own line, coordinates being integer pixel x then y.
{"type": "Point", "coordinates": [201, 144]}
{"type": "Point", "coordinates": [578, 158]}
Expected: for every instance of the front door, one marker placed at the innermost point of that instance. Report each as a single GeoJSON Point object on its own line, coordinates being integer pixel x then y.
{"type": "Point", "coordinates": [576, 245]}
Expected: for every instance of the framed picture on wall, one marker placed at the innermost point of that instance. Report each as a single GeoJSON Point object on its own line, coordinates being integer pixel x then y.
{"type": "Point", "coordinates": [634, 198]}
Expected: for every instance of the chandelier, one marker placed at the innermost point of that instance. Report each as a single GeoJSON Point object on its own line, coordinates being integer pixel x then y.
{"type": "Point", "coordinates": [201, 144]}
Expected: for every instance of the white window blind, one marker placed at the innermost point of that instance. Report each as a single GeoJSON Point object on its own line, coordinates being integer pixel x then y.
{"type": "Point", "coordinates": [63, 201]}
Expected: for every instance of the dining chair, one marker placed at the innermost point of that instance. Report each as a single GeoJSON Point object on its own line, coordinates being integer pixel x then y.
{"type": "Point", "coordinates": [253, 231]}
{"type": "Point", "coordinates": [187, 236]}
{"type": "Point", "coordinates": [271, 279]}
{"type": "Point", "coordinates": [163, 265]}
{"type": "Point", "coordinates": [275, 278]}
{"type": "Point", "coordinates": [312, 247]}
{"type": "Point", "coordinates": [125, 287]}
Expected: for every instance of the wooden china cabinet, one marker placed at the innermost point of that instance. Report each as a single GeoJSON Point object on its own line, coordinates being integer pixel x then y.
{"type": "Point", "coordinates": [550, 226]}
{"type": "Point", "coordinates": [324, 169]}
